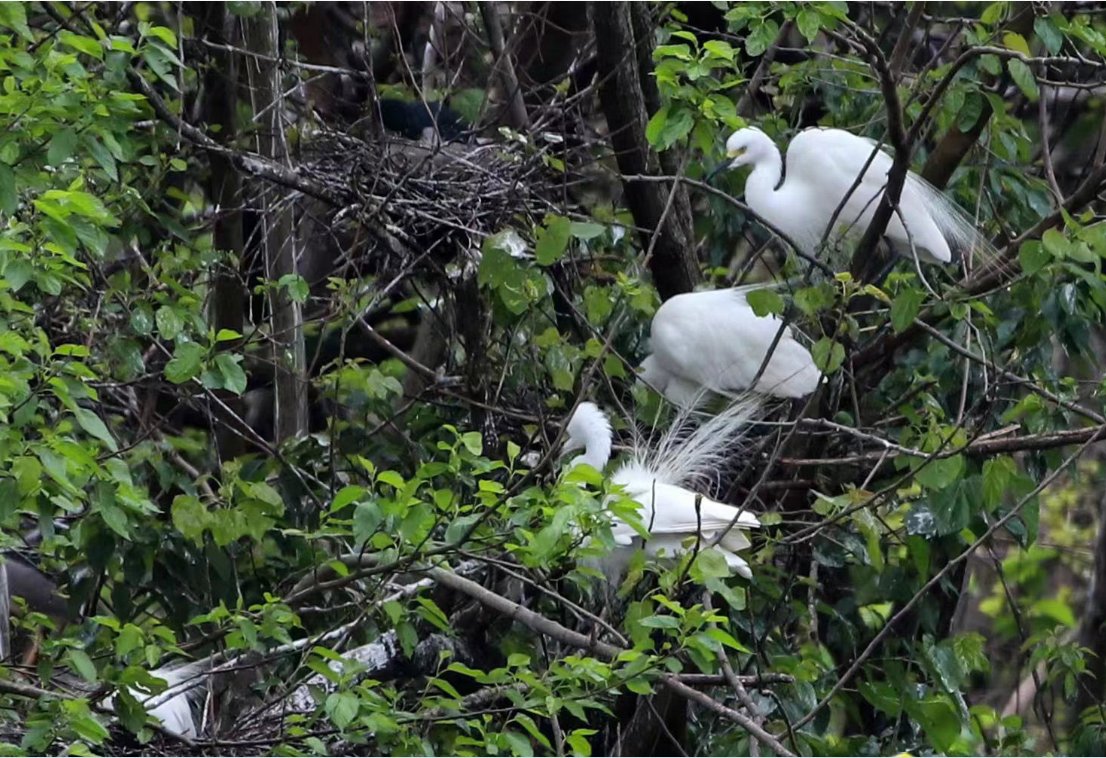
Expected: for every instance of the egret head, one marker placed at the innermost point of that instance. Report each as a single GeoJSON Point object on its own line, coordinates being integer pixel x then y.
{"type": "Point", "coordinates": [749, 146]}
{"type": "Point", "coordinates": [589, 430]}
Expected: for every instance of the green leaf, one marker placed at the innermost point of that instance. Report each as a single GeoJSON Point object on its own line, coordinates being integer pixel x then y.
{"type": "Point", "coordinates": [761, 37]}
{"type": "Point", "coordinates": [348, 494]}
{"type": "Point", "coordinates": [828, 355]}
{"type": "Point", "coordinates": [1056, 243]}
{"type": "Point", "coordinates": [905, 308]}
{"type": "Point", "coordinates": [366, 520]}
{"type": "Point", "coordinates": [765, 302]}
{"type": "Point", "coordinates": [296, 287]}
{"type": "Point", "coordinates": [586, 230]}
{"type": "Point", "coordinates": [186, 362]}
{"type": "Point", "coordinates": [1033, 257]}
{"type": "Point", "coordinates": [190, 518]}
{"type": "Point", "coordinates": [81, 44]}
{"type": "Point", "coordinates": [1023, 77]}
{"type": "Point", "coordinates": [519, 745]}
{"type": "Point", "coordinates": [727, 639]}
{"type": "Point", "coordinates": [809, 22]}
{"type": "Point", "coordinates": [710, 563]}
{"type": "Point", "coordinates": [994, 12]}
{"type": "Point", "coordinates": [941, 472]}
{"type": "Point", "coordinates": [169, 323]}
{"type": "Point", "coordinates": [9, 199]}
{"type": "Point", "coordinates": [719, 49]}
{"type": "Point", "coordinates": [458, 527]}
{"type": "Point", "coordinates": [656, 125]}
{"type": "Point", "coordinates": [659, 622]}
{"type": "Point", "coordinates": [969, 112]}
{"type": "Point", "coordinates": [95, 426]}
{"type": "Point", "coordinates": [954, 506]}
{"type": "Point", "coordinates": [234, 378]}
{"type": "Point", "coordinates": [997, 475]}
{"type": "Point", "coordinates": [1017, 43]}
{"type": "Point", "coordinates": [1054, 609]}
{"type": "Point", "coordinates": [342, 708]}
{"type": "Point", "coordinates": [552, 240]}
{"type": "Point", "coordinates": [882, 696]}
{"type": "Point", "coordinates": [162, 33]}
{"type": "Point", "coordinates": [1049, 35]}
{"type": "Point", "coordinates": [938, 719]}
{"type": "Point", "coordinates": [14, 16]}
{"type": "Point", "coordinates": [83, 664]}
{"type": "Point", "coordinates": [62, 145]}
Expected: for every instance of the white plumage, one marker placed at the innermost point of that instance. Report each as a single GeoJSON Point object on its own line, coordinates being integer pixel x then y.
{"type": "Point", "coordinates": [714, 341]}
{"type": "Point", "coordinates": [822, 165]}
{"type": "Point", "coordinates": [657, 478]}
{"type": "Point", "coordinates": [172, 707]}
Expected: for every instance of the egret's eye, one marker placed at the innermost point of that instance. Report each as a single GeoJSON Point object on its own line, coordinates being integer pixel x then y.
{"type": "Point", "coordinates": [736, 152]}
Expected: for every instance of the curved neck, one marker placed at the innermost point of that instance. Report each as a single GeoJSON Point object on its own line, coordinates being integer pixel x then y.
{"type": "Point", "coordinates": [597, 451]}
{"type": "Point", "coordinates": [764, 180]}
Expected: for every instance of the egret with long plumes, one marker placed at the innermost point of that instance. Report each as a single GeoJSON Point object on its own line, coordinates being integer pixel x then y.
{"type": "Point", "coordinates": [823, 165]}
{"type": "Point", "coordinates": [713, 341]}
{"type": "Point", "coordinates": [659, 478]}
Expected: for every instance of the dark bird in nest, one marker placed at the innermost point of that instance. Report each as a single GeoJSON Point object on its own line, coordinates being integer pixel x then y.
{"type": "Point", "coordinates": [412, 119]}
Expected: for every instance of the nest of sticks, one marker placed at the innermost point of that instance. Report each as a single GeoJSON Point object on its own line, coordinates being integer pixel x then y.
{"type": "Point", "coordinates": [397, 206]}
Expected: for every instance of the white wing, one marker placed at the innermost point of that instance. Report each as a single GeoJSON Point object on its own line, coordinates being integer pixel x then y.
{"type": "Point", "coordinates": [679, 520]}
{"type": "Point", "coordinates": [828, 162]}
{"type": "Point", "coordinates": [715, 341]}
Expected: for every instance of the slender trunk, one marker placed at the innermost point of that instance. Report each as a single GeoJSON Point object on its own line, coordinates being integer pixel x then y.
{"type": "Point", "coordinates": [952, 148]}
{"type": "Point", "coordinates": [625, 93]}
{"type": "Point", "coordinates": [277, 238]}
{"type": "Point", "coordinates": [1092, 626]}
{"type": "Point", "coordinates": [224, 189]}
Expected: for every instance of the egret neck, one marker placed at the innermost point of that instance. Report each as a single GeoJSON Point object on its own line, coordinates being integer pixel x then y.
{"type": "Point", "coordinates": [762, 186]}
{"type": "Point", "coordinates": [590, 429]}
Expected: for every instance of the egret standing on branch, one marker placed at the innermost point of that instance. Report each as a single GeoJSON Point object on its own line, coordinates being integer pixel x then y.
{"type": "Point", "coordinates": [714, 341]}
{"type": "Point", "coordinates": [822, 167]}
{"type": "Point", "coordinates": [657, 478]}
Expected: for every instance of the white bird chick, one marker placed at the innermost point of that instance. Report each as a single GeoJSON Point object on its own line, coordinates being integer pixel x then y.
{"type": "Point", "coordinates": [822, 166]}
{"type": "Point", "coordinates": [678, 519]}
{"type": "Point", "coordinates": [714, 341]}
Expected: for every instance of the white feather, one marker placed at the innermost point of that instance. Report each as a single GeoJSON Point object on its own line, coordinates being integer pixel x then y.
{"type": "Point", "coordinates": [173, 707]}
{"type": "Point", "coordinates": [822, 166]}
{"type": "Point", "coordinates": [713, 341]}
{"type": "Point", "coordinates": [659, 479]}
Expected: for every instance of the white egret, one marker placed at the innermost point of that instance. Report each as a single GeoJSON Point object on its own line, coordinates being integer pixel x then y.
{"type": "Point", "coordinates": [678, 519]}
{"type": "Point", "coordinates": [714, 341]}
{"type": "Point", "coordinates": [822, 166]}
{"type": "Point", "coordinates": [173, 707]}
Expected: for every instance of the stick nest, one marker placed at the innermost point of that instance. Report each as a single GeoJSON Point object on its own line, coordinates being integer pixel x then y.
{"type": "Point", "coordinates": [400, 205]}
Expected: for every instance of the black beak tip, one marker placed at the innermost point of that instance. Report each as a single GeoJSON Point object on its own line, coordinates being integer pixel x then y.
{"type": "Point", "coordinates": [716, 171]}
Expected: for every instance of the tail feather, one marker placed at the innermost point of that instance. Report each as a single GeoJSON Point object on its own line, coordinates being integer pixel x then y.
{"type": "Point", "coordinates": [689, 455]}
{"type": "Point", "coordinates": [960, 231]}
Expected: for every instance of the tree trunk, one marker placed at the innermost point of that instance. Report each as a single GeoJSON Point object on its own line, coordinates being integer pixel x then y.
{"type": "Point", "coordinates": [625, 92]}
{"type": "Point", "coordinates": [224, 189]}
{"type": "Point", "coordinates": [1092, 626]}
{"type": "Point", "coordinates": [277, 238]}
{"type": "Point", "coordinates": [954, 146]}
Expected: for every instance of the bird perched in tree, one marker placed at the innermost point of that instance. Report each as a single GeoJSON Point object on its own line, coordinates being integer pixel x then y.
{"type": "Point", "coordinates": [659, 478]}
{"type": "Point", "coordinates": [822, 167]}
{"type": "Point", "coordinates": [713, 341]}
